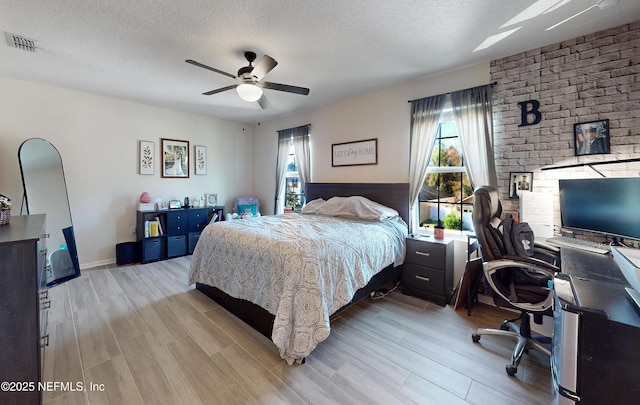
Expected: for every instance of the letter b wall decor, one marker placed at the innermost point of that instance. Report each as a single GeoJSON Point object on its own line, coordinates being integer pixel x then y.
{"type": "Point", "coordinates": [527, 108]}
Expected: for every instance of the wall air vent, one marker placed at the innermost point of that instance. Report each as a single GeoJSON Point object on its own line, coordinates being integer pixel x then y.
{"type": "Point", "coordinates": [20, 42]}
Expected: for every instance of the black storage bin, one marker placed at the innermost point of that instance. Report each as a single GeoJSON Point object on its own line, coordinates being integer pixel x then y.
{"type": "Point", "coordinates": [127, 253]}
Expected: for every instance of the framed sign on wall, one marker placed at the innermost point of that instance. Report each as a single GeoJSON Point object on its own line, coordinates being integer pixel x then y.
{"type": "Point", "coordinates": [355, 153]}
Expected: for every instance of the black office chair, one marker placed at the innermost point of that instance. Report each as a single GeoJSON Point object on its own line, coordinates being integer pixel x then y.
{"type": "Point", "coordinates": [518, 282]}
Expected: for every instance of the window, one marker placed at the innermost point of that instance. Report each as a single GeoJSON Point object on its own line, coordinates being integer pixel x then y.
{"type": "Point", "coordinates": [293, 194]}
{"type": "Point", "coordinates": [446, 194]}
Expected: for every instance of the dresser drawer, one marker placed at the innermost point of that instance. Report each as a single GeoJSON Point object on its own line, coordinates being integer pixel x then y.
{"type": "Point", "coordinates": [426, 253]}
{"type": "Point", "coordinates": [193, 241]}
{"type": "Point", "coordinates": [176, 245]}
{"type": "Point", "coordinates": [154, 249]}
{"type": "Point", "coordinates": [197, 219]}
{"type": "Point", "coordinates": [176, 222]}
{"type": "Point", "coordinates": [424, 279]}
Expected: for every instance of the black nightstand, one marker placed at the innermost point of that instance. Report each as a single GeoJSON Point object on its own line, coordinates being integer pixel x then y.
{"type": "Point", "coordinates": [428, 268]}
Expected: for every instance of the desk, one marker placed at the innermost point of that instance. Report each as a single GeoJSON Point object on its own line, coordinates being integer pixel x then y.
{"type": "Point", "coordinates": [596, 341]}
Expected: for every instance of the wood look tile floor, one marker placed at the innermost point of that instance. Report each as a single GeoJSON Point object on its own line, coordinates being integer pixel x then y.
{"type": "Point", "coordinates": [140, 335]}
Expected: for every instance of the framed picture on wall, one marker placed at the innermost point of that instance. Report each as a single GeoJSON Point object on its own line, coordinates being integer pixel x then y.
{"type": "Point", "coordinates": [200, 159]}
{"type": "Point", "coordinates": [520, 182]}
{"type": "Point", "coordinates": [591, 138]}
{"type": "Point", "coordinates": [175, 158]}
{"type": "Point", "coordinates": [355, 153]}
{"type": "Point", "coordinates": [146, 157]}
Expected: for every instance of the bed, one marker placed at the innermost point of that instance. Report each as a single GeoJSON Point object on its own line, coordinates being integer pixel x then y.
{"type": "Point", "coordinates": [250, 268]}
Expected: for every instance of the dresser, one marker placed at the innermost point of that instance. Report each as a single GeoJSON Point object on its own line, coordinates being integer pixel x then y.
{"type": "Point", "coordinates": [428, 268]}
{"type": "Point", "coordinates": [23, 308]}
{"type": "Point", "coordinates": [176, 231]}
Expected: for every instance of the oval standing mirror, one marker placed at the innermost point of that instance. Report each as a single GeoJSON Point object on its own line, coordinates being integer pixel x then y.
{"type": "Point", "coordinates": [45, 192]}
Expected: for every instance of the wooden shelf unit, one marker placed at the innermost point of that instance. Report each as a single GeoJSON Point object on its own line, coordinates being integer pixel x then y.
{"type": "Point", "coordinates": [180, 230]}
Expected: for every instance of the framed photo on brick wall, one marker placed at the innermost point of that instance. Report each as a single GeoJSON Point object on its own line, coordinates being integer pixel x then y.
{"type": "Point", "coordinates": [520, 182]}
{"type": "Point", "coordinates": [591, 138]}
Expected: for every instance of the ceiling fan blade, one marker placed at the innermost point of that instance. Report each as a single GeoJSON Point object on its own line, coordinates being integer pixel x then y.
{"type": "Point", "coordinates": [285, 87]}
{"type": "Point", "coordinates": [264, 102]}
{"type": "Point", "coordinates": [193, 62]}
{"type": "Point", "coordinates": [264, 66]}
{"type": "Point", "coordinates": [208, 93]}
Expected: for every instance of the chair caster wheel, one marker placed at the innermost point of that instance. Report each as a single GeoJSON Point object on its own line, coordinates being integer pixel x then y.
{"type": "Point", "coordinates": [504, 327]}
{"type": "Point", "coordinates": [511, 370]}
{"type": "Point", "coordinates": [475, 337]}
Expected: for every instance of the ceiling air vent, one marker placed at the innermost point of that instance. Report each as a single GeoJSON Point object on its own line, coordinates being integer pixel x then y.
{"type": "Point", "coordinates": [20, 42]}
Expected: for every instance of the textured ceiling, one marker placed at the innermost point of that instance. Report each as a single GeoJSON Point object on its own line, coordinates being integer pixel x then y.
{"type": "Point", "coordinates": [338, 49]}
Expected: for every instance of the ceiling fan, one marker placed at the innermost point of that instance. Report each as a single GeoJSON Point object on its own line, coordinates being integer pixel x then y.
{"type": "Point", "coordinates": [250, 78]}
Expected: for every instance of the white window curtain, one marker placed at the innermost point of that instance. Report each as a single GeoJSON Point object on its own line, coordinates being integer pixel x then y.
{"type": "Point", "coordinates": [300, 138]}
{"type": "Point", "coordinates": [303, 155]}
{"type": "Point", "coordinates": [472, 110]}
{"type": "Point", "coordinates": [281, 167]}
{"type": "Point", "coordinates": [425, 118]}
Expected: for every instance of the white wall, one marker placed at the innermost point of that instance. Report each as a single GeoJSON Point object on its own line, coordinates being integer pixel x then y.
{"type": "Point", "coordinates": [384, 115]}
{"type": "Point", "coordinates": [97, 138]}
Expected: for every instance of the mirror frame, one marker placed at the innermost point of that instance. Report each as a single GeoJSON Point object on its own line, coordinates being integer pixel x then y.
{"type": "Point", "coordinates": [67, 231]}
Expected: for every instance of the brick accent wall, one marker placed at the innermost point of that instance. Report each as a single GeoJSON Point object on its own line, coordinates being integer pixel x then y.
{"type": "Point", "coordinates": [589, 78]}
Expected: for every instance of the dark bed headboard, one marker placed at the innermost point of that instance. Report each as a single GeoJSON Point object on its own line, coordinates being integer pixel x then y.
{"type": "Point", "coordinates": [393, 195]}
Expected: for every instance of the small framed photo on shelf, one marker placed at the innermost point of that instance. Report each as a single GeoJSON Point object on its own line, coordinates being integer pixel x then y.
{"type": "Point", "coordinates": [210, 200]}
{"type": "Point", "coordinates": [591, 138]}
{"type": "Point", "coordinates": [175, 158]}
{"type": "Point", "coordinates": [200, 159]}
{"type": "Point", "coordinates": [161, 205]}
{"type": "Point", "coordinates": [520, 182]}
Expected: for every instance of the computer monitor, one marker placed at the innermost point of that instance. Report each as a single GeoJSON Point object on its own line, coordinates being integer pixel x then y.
{"type": "Point", "coordinates": [608, 206]}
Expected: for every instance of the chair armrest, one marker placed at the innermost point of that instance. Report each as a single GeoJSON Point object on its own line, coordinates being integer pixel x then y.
{"type": "Point", "coordinates": [548, 252]}
{"type": "Point", "coordinates": [532, 263]}
{"type": "Point", "coordinates": [543, 245]}
{"type": "Point", "coordinates": [491, 267]}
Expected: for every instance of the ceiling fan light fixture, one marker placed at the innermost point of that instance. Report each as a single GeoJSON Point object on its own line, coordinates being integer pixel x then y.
{"type": "Point", "coordinates": [602, 4]}
{"type": "Point", "coordinates": [249, 92]}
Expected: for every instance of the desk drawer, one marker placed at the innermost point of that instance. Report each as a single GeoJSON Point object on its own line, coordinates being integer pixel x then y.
{"type": "Point", "coordinates": [426, 254]}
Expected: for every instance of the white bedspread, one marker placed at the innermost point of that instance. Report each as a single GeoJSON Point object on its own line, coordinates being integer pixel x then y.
{"type": "Point", "coordinates": [300, 268]}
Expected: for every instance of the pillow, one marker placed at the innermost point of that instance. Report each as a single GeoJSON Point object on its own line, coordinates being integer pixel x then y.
{"type": "Point", "coordinates": [248, 208]}
{"type": "Point", "coordinates": [243, 215]}
{"type": "Point", "coordinates": [312, 207]}
{"type": "Point", "coordinates": [356, 207]}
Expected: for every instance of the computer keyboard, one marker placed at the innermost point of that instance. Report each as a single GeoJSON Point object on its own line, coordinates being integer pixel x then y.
{"type": "Point", "coordinates": [582, 244]}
